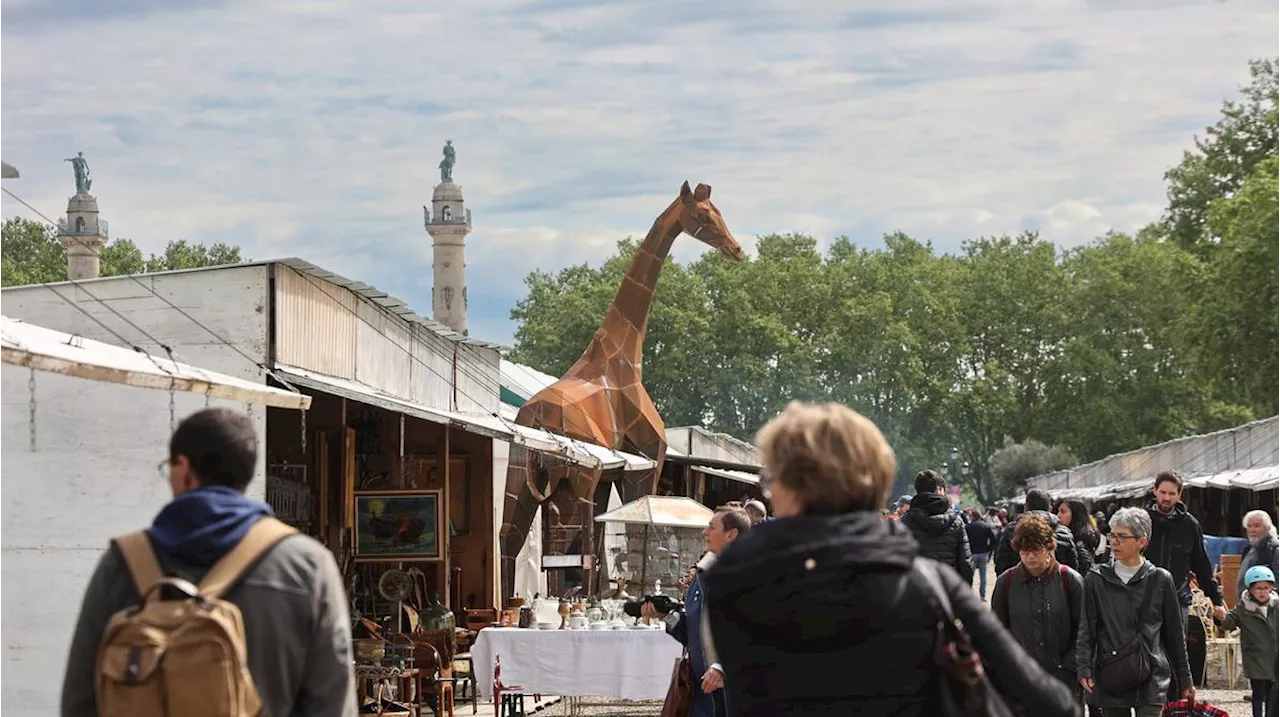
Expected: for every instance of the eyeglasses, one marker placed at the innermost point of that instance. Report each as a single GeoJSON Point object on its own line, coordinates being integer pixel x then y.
{"type": "Point", "coordinates": [1120, 537]}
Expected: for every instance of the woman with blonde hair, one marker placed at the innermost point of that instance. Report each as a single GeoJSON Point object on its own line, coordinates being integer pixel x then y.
{"type": "Point", "coordinates": [821, 611]}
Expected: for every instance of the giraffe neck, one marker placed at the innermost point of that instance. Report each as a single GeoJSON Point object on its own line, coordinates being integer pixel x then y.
{"type": "Point", "coordinates": [627, 320]}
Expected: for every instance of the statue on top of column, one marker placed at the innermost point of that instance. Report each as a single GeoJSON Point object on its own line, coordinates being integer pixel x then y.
{"type": "Point", "coordinates": [80, 166]}
{"type": "Point", "coordinates": [446, 164]}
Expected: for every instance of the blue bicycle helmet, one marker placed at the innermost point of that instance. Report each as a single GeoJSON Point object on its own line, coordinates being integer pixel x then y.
{"type": "Point", "coordinates": [1258, 574]}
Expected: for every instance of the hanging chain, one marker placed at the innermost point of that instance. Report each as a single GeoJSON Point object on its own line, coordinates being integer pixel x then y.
{"type": "Point", "coordinates": [206, 395]}
{"type": "Point", "coordinates": [172, 423]}
{"type": "Point", "coordinates": [31, 392]}
{"type": "Point", "coordinates": [304, 433]}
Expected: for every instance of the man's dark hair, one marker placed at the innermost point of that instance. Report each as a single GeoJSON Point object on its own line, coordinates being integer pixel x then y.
{"type": "Point", "coordinates": [1168, 477]}
{"type": "Point", "coordinates": [1038, 499]}
{"type": "Point", "coordinates": [928, 481]}
{"type": "Point", "coordinates": [734, 518]}
{"type": "Point", "coordinates": [221, 445]}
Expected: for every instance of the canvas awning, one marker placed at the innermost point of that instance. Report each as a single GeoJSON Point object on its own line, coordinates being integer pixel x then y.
{"type": "Point", "coordinates": [740, 476]}
{"type": "Point", "coordinates": [36, 347]}
{"type": "Point", "coordinates": [669, 511]}
{"type": "Point", "coordinates": [493, 426]}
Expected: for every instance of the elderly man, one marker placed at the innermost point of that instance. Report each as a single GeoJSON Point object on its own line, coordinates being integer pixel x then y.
{"type": "Point", "coordinates": [756, 511]}
{"type": "Point", "coordinates": [726, 526]}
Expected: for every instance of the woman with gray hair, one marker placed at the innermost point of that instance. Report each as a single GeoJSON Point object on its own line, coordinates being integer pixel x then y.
{"type": "Point", "coordinates": [1262, 548]}
{"type": "Point", "coordinates": [1131, 646]}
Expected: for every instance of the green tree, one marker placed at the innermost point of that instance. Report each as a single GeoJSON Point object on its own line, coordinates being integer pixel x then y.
{"type": "Point", "coordinates": [1237, 316]}
{"type": "Point", "coordinates": [1014, 463]}
{"type": "Point", "coordinates": [1224, 159]}
{"type": "Point", "coordinates": [31, 253]}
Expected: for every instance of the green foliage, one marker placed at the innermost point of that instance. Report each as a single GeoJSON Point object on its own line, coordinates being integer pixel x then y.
{"type": "Point", "coordinates": [1014, 463]}
{"type": "Point", "coordinates": [1018, 354]}
{"type": "Point", "coordinates": [31, 253]}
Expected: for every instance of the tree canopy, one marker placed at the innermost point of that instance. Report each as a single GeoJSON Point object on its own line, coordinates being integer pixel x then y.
{"type": "Point", "coordinates": [1124, 342]}
{"type": "Point", "coordinates": [32, 254]}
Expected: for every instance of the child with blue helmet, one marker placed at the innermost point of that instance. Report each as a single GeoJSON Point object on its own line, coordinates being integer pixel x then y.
{"type": "Point", "coordinates": [1256, 616]}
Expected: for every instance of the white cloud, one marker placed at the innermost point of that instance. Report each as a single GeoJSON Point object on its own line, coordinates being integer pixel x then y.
{"type": "Point", "coordinates": [314, 129]}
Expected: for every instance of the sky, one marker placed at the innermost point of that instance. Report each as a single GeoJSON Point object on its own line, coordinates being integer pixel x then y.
{"type": "Point", "coordinates": [314, 128]}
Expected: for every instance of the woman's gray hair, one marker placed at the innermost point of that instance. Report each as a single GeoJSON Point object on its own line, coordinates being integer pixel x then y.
{"type": "Point", "coordinates": [1137, 520]}
{"type": "Point", "coordinates": [1266, 518]}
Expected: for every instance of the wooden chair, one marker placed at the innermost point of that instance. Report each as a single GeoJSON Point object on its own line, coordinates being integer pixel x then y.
{"type": "Point", "coordinates": [435, 681]}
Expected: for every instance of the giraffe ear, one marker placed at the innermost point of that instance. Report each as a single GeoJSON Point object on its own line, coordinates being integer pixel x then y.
{"type": "Point", "coordinates": [686, 193]}
{"type": "Point", "coordinates": [702, 193]}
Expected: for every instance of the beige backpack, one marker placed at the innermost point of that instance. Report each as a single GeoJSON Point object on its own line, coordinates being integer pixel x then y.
{"type": "Point", "coordinates": [181, 657]}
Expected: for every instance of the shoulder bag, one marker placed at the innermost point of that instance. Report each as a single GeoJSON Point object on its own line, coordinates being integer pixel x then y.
{"type": "Point", "coordinates": [965, 690]}
{"type": "Point", "coordinates": [1128, 666]}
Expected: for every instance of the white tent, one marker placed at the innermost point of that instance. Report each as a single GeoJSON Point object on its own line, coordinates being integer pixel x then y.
{"type": "Point", "coordinates": [23, 344]}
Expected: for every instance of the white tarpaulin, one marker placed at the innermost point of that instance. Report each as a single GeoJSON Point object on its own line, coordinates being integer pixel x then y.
{"type": "Point", "coordinates": [667, 511]}
{"type": "Point", "coordinates": [44, 349]}
{"type": "Point", "coordinates": [740, 476]}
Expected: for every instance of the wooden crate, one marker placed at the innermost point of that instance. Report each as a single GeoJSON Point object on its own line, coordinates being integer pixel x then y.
{"type": "Point", "coordinates": [1230, 573]}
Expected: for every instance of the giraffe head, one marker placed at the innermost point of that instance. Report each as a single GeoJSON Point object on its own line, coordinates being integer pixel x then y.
{"type": "Point", "coordinates": [700, 219]}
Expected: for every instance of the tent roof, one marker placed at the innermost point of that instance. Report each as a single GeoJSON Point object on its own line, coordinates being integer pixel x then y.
{"type": "Point", "coordinates": [670, 511]}
{"type": "Point", "coordinates": [44, 349]}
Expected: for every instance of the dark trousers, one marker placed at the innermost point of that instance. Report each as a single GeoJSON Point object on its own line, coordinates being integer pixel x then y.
{"type": "Point", "coordinates": [1264, 698]}
{"type": "Point", "coordinates": [1196, 647]}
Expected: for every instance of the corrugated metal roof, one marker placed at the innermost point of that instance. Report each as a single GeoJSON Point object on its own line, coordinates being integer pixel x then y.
{"type": "Point", "coordinates": [523, 381]}
{"type": "Point", "coordinates": [48, 350]}
{"type": "Point", "coordinates": [740, 476]}
{"type": "Point", "coordinates": [670, 511]}
{"type": "Point", "coordinates": [372, 293]}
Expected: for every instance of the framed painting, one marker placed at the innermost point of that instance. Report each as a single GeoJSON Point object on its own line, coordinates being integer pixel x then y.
{"type": "Point", "coordinates": [394, 525]}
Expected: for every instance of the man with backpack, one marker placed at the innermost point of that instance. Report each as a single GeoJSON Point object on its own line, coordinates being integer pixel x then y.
{"type": "Point", "coordinates": [1037, 503]}
{"type": "Point", "coordinates": [217, 608]}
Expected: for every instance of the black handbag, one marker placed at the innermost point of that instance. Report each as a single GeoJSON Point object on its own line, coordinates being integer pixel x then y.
{"type": "Point", "coordinates": [965, 690]}
{"type": "Point", "coordinates": [1129, 666]}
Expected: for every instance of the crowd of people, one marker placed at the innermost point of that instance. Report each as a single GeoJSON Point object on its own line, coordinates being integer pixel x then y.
{"type": "Point", "coordinates": [831, 606]}
{"type": "Point", "coordinates": [821, 610]}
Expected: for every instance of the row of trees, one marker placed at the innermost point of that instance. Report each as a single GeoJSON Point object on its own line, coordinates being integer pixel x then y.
{"type": "Point", "coordinates": [1130, 340]}
{"type": "Point", "coordinates": [32, 254]}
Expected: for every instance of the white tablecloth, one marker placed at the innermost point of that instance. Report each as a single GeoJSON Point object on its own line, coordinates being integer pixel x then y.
{"type": "Point", "coordinates": [621, 664]}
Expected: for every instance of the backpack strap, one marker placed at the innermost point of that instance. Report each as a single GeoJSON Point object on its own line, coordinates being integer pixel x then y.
{"type": "Point", "coordinates": [1062, 572]}
{"type": "Point", "coordinates": [141, 560]}
{"type": "Point", "coordinates": [261, 537]}
{"type": "Point", "coordinates": [1008, 584]}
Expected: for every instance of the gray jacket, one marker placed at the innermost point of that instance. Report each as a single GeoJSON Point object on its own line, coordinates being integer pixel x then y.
{"type": "Point", "coordinates": [295, 620]}
{"type": "Point", "coordinates": [1043, 614]}
{"type": "Point", "coordinates": [1111, 610]}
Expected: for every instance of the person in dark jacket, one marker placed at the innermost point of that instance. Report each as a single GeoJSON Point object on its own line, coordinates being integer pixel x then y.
{"type": "Point", "coordinates": [982, 540]}
{"type": "Point", "coordinates": [817, 612]}
{"type": "Point", "coordinates": [727, 525]}
{"type": "Point", "coordinates": [1038, 503]}
{"type": "Point", "coordinates": [1177, 545]}
{"type": "Point", "coordinates": [1040, 601]}
{"type": "Point", "coordinates": [1262, 548]}
{"type": "Point", "coordinates": [1074, 515]}
{"type": "Point", "coordinates": [1113, 596]}
{"type": "Point", "coordinates": [939, 529]}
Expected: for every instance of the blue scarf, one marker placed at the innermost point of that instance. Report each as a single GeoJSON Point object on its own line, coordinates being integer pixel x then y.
{"type": "Point", "coordinates": [200, 526]}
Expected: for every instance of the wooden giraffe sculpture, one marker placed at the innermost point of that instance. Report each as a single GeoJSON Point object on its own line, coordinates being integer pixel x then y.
{"type": "Point", "coordinates": [601, 399]}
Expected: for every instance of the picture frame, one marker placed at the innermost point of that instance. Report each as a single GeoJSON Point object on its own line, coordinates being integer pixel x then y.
{"type": "Point", "coordinates": [398, 525]}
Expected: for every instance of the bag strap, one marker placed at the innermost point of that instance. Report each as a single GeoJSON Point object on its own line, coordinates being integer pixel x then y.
{"type": "Point", "coordinates": [1062, 572]}
{"type": "Point", "coordinates": [930, 576]}
{"type": "Point", "coordinates": [261, 537]}
{"type": "Point", "coordinates": [141, 560]}
{"type": "Point", "coordinates": [1146, 598]}
{"type": "Point", "coordinates": [1008, 585]}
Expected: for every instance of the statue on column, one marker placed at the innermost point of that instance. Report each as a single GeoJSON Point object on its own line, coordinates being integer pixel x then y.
{"type": "Point", "coordinates": [446, 164]}
{"type": "Point", "coordinates": [80, 166]}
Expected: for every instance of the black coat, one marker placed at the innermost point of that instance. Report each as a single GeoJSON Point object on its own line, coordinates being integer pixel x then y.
{"type": "Point", "coordinates": [1066, 553]}
{"type": "Point", "coordinates": [1110, 607]}
{"type": "Point", "coordinates": [1177, 545]}
{"type": "Point", "coordinates": [982, 536]}
{"type": "Point", "coordinates": [816, 615]}
{"type": "Point", "coordinates": [940, 532]}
